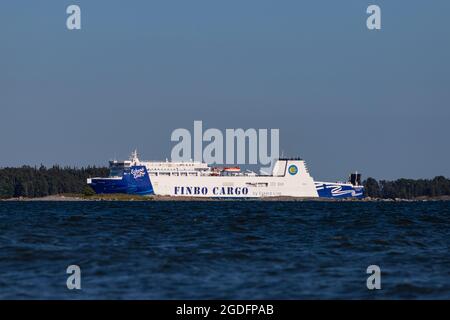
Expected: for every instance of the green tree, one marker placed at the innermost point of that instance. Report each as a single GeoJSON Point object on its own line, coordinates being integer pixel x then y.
{"type": "Point", "coordinates": [372, 188]}
{"type": "Point", "coordinates": [88, 191]}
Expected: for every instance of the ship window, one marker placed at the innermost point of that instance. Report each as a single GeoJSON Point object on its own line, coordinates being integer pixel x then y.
{"type": "Point", "coordinates": [116, 171]}
{"type": "Point", "coordinates": [257, 184]}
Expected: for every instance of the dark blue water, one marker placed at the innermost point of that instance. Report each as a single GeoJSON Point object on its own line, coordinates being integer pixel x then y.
{"type": "Point", "coordinates": [224, 250]}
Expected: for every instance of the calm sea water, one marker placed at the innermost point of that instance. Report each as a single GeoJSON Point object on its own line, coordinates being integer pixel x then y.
{"type": "Point", "coordinates": [224, 250]}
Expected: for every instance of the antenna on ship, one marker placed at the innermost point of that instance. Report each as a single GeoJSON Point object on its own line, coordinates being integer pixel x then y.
{"type": "Point", "coordinates": [134, 156]}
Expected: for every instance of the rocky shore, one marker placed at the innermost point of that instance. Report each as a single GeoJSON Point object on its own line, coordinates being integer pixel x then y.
{"type": "Point", "coordinates": [126, 197]}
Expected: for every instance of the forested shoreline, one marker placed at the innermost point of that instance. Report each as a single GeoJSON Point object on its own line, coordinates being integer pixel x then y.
{"type": "Point", "coordinates": [34, 182]}
{"type": "Point", "coordinates": [407, 188]}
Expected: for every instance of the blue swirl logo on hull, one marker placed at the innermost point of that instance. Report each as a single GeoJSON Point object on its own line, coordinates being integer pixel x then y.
{"type": "Point", "coordinates": [333, 190]}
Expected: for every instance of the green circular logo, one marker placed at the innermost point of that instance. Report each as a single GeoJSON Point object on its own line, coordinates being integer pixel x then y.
{"type": "Point", "coordinates": [293, 170]}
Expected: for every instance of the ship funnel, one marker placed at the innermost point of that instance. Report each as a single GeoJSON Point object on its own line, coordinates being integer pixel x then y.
{"type": "Point", "coordinates": [355, 179]}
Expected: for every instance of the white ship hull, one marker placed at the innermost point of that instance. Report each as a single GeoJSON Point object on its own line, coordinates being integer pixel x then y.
{"type": "Point", "coordinates": [235, 186]}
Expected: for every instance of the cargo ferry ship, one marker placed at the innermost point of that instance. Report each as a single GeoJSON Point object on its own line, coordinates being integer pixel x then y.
{"type": "Point", "coordinates": [289, 178]}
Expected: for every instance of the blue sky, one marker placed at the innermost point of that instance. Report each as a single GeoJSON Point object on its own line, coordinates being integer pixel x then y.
{"type": "Point", "coordinates": [343, 97]}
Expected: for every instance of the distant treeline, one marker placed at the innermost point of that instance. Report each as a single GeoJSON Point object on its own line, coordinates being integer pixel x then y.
{"type": "Point", "coordinates": [407, 188]}
{"type": "Point", "coordinates": [40, 182]}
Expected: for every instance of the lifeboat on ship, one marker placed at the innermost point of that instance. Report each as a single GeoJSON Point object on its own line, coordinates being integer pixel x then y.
{"type": "Point", "coordinates": [232, 169]}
